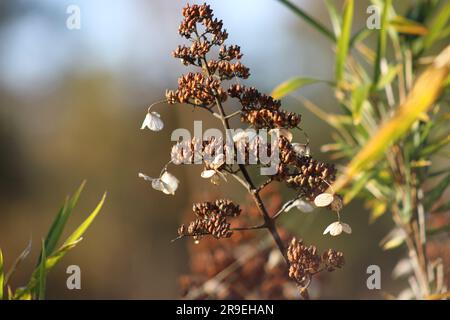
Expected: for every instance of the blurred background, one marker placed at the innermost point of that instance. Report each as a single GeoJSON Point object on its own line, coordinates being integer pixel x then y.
{"type": "Point", "coordinates": [72, 102]}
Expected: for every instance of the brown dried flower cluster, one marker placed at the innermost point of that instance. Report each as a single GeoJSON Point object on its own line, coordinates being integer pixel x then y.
{"type": "Point", "coordinates": [305, 261]}
{"type": "Point", "coordinates": [197, 89]}
{"type": "Point", "coordinates": [207, 89]}
{"type": "Point", "coordinates": [303, 173]}
{"type": "Point", "coordinates": [261, 272]}
{"type": "Point", "coordinates": [262, 111]}
{"type": "Point", "coordinates": [211, 220]}
{"type": "Point", "coordinates": [204, 89]}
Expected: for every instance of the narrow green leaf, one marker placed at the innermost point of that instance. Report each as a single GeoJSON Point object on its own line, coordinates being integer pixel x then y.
{"type": "Point", "coordinates": [378, 209]}
{"type": "Point", "coordinates": [86, 223]}
{"type": "Point", "coordinates": [57, 228]}
{"type": "Point", "coordinates": [434, 147]}
{"type": "Point", "coordinates": [382, 41]}
{"type": "Point", "coordinates": [359, 184]}
{"type": "Point", "coordinates": [42, 273]}
{"type": "Point", "coordinates": [18, 261]}
{"type": "Point", "coordinates": [344, 40]}
{"type": "Point", "coordinates": [438, 24]}
{"type": "Point", "coordinates": [435, 193]}
{"type": "Point", "coordinates": [388, 77]}
{"type": "Point", "coordinates": [393, 239]}
{"type": "Point", "coordinates": [426, 90]}
{"type": "Point", "coordinates": [360, 36]}
{"type": "Point", "coordinates": [308, 19]}
{"type": "Point", "coordinates": [358, 98]}
{"type": "Point", "coordinates": [290, 86]}
{"type": "Point", "coordinates": [59, 254]}
{"type": "Point", "coordinates": [335, 18]}
{"type": "Point", "coordinates": [406, 26]}
{"type": "Point", "coordinates": [2, 275]}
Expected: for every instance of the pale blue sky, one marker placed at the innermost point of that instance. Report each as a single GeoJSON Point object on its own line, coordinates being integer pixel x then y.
{"type": "Point", "coordinates": [135, 37]}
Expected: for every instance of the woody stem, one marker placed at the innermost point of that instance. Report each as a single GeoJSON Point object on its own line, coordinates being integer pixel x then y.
{"type": "Point", "coordinates": [268, 221]}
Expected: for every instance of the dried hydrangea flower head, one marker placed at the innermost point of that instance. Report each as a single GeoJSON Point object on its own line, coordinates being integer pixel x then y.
{"type": "Point", "coordinates": [217, 67]}
{"type": "Point", "coordinates": [211, 219]}
{"type": "Point", "coordinates": [305, 261]}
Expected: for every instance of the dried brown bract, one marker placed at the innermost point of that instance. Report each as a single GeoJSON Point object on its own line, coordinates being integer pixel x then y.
{"type": "Point", "coordinates": [305, 261]}
{"type": "Point", "coordinates": [211, 220]}
{"type": "Point", "coordinates": [208, 89]}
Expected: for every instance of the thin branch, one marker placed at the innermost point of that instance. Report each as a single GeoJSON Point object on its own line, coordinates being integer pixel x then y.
{"type": "Point", "coordinates": [231, 115]}
{"type": "Point", "coordinates": [256, 227]}
{"type": "Point", "coordinates": [255, 195]}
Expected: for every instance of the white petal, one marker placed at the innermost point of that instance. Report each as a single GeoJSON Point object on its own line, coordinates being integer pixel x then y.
{"type": "Point", "coordinates": [336, 229]}
{"type": "Point", "coordinates": [292, 205]}
{"type": "Point", "coordinates": [207, 173]}
{"type": "Point", "coordinates": [275, 258]}
{"type": "Point", "coordinates": [323, 199]}
{"type": "Point", "coordinates": [305, 206]}
{"type": "Point", "coordinates": [170, 183]}
{"type": "Point", "coordinates": [346, 228]}
{"type": "Point", "coordinates": [301, 149]}
{"type": "Point", "coordinates": [156, 123]}
{"type": "Point", "coordinates": [145, 177]}
{"type": "Point", "coordinates": [157, 184]}
{"type": "Point", "coordinates": [246, 135]}
{"type": "Point", "coordinates": [239, 136]}
{"type": "Point", "coordinates": [146, 121]}
{"type": "Point", "coordinates": [402, 268]}
{"type": "Point", "coordinates": [218, 160]}
{"type": "Point", "coordinates": [300, 205]}
{"type": "Point", "coordinates": [153, 122]}
{"type": "Point", "coordinates": [327, 229]}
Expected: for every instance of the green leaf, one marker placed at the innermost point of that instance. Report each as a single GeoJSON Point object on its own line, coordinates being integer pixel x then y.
{"type": "Point", "coordinates": [42, 273]}
{"type": "Point", "coordinates": [426, 90]}
{"type": "Point", "coordinates": [388, 77]}
{"type": "Point", "coordinates": [74, 238]}
{"type": "Point", "coordinates": [360, 36]}
{"type": "Point", "coordinates": [358, 98]}
{"type": "Point", "coordinates": [2, 275]}
{"type": "Point", "coordinates": [290, 86]}
{"type": "Point", "coordinates": [344, 40]}
{"type": "Point", "coordinates": [395, 238]}
{"type": "Point", "coordinates": [435, 193]}
{"type": "Point", "coordinates": [18, 261]}
{"type": "Point", "coordinates": [359, 184]}
{"type": "Point", "coordinates": [308, 19]}
{"type": "Point", "coordinates": [406, 26]}
{"type": "Point", "coordinates": [335, 18]}
{"type": "Point", "coordinates": [378, 209]}
{"type": "Point", "coordinates": [86, 223]}
{"type": "Point", "coordinates": [434, 147]}
{"type": "Point", "coordinates": [57, 255]}
{"type": "Point", "coordinates": [438, 24]}
{"type": "Point", "coordinates": [57, 228]}
{"type": "Point", "coordinates": [382, 40]}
